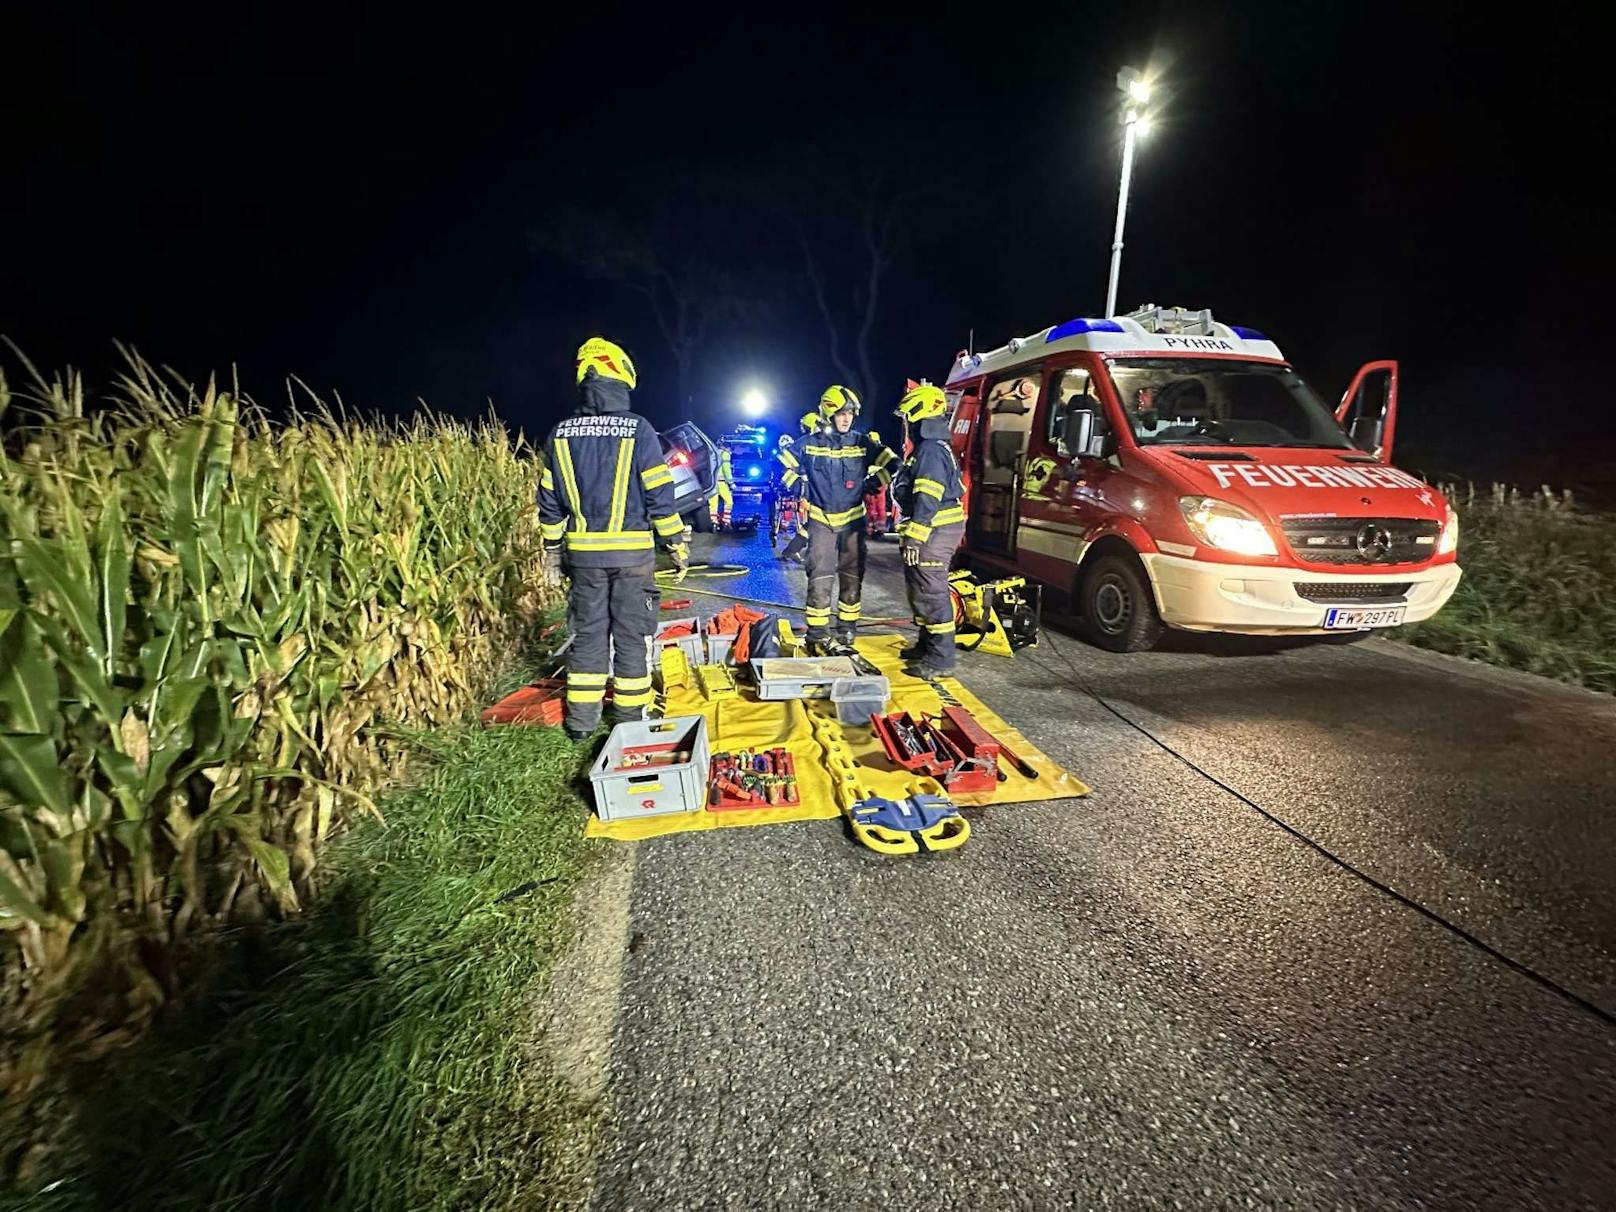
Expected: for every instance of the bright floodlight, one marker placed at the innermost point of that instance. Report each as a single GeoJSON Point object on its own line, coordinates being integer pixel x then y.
{"type": "Point", "coordinates": [1135, 93]}
{"type": "Point", "coordinates": [754, 403]}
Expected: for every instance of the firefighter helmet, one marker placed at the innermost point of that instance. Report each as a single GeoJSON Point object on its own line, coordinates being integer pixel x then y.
{"type": "Point", "coordinates": [922, 402]}
{"type": "Point", "coordinates": [609, 360]}
{"type": "Point", "coordinates": [838, 399]}
{"type": "Point", "coordinates": [810, 421]}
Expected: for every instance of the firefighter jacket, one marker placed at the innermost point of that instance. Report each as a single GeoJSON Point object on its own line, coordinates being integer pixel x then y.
{"type": "Point", "coordinates": [789, 472]}
{"type": "Point", "coordinates": [929, 487]}
{"type": "Point", "coordinates": [834, 470]}
{"type": "Point", "coordinates": [605, 490]}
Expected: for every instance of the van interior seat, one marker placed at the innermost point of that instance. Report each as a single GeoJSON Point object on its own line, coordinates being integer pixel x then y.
{"type": "Point", "coordinates": [1009, 429]}
{"type": "Point", "coordinates": [1005, 446]}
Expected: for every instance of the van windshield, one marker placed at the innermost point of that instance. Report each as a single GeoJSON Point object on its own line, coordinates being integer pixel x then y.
{"type": "Point", "coordinates": [1212, 401]}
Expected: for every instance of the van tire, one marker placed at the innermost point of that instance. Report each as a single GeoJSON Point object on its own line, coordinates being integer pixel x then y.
{"type": "Point", "coordinates": [701, 519]}
{"type": "Point", "coordinates": [1119, 611]}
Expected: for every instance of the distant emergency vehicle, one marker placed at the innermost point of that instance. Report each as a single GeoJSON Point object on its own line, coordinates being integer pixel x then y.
{"type": "Point", "coordinates": [1169, 470]}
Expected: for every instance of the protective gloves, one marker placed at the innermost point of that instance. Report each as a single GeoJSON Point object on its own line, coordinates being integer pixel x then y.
{"type": "Point", "coordinates": [552, 570]}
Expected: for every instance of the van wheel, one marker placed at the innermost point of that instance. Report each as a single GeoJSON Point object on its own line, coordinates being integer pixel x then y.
{"type": "Point", "coordinates": [1119, 612]}
{"type": "Point", "coordinates": [701, 521]}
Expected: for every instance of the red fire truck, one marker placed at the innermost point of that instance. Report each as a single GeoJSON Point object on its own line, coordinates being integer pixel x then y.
{"type": "Point", "coordinates": [1168, 470]}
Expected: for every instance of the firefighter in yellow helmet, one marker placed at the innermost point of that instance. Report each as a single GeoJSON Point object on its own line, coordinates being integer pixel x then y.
{"type": "Point", "coordinates": [839, 465]}
{"type": "Point", "coordinates": [929, 490]}
{"type": "Point", "coordinates": [605, 505]}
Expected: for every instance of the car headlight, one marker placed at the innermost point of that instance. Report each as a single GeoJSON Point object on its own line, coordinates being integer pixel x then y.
{"type": "Point", "coordinates": [1449, 542]}
{"type": "Point", "coordinates": [1226, 527]}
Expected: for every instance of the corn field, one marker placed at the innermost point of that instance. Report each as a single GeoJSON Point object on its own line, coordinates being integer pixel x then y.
{"type": "Point", "coordinates": [206, 623]}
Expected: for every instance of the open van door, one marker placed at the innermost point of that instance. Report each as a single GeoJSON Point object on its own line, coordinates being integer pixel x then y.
{"type": "Point", "coordinates": [1005, 425]}
{"type": "Point", "coordinates": [1368, 410]}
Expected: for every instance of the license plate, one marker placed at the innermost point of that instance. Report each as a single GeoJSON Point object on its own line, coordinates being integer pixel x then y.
{"type": "Point", "coordinates": [1357, 618]}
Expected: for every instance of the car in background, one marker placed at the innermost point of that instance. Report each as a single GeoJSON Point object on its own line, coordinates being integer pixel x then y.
{"type": "Point", "coordinates": [693, 459]}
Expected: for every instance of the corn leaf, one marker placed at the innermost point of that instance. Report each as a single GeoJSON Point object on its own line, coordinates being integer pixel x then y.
{"type": "Point", "coordinates": [48, 572]}
{"type": "Point", "coordinates": [276, 867]}
{"type": "Point", "coordinates": [28, 686]}
{"type": "Point", "coordinates": [112, 568]}
{"type": "Point", "coordinates": [16, 904]}
{"type": "Point", "coordinates": [30, 770]}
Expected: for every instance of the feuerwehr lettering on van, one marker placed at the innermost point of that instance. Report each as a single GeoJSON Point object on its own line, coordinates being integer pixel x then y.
{"type": "Point", "coordinates": [1309, 475]}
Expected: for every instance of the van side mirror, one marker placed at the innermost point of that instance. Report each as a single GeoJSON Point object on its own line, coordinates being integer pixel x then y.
{"type": "Point", "coordinates": [1081, 437]}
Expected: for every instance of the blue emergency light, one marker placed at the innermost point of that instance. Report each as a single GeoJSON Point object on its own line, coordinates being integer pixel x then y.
{"type": "Point", "coordinates": [1073, 327]}
{"type": "Point", "coordinates": [754, 471]}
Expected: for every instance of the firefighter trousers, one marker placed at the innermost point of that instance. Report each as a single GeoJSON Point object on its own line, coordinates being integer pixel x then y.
{"type": "Point", "coordinates": [835, 566]}
{"type": "Point", "coordinates": [611, 613]}
{"type": "Point", "coordinates": [930, 601]}
{"type": "Point", "coordinates": [720, 503]}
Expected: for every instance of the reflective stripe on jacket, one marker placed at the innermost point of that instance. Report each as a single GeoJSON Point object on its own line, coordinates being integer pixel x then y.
{"type": "Point", "coordinates": [929, 489]}
{"type": "Point", "coordinates": [834, 470]}
{"type": "Point", "coordinates": [605, 490]}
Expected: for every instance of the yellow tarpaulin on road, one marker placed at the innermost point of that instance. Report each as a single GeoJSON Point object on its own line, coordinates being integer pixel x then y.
{"type": "Point", "coordinates": [746, 723]}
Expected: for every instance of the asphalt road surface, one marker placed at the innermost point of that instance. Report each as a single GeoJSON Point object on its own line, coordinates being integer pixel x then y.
{"type": "Point", "coordinates": [1154, 997]}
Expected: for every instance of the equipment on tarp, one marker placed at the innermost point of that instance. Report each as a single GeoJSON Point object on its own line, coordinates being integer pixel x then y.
{"type": "Point", "coordinates": [752, 779]}
{"type": "Point", "coordinates": [958, 754]}
{"type": "Point", "coordinates": [907, 826]}
{"type": "Point", "coordinates": [800, 677]}
{"type": "Point", "coordinates": [675, 668]}
{"type": "Point", "coordinates": [684, 634]}
{"type": "Point", "coordinates": [997, 617]}
{"type": "Point", "coordinates": [676, 752]}
{"type": "Point", "coordinates": [1022, 766]}
{"type": "Point", "coordinates": [739, 634]}
{"type": "Point", "coordinates": [716, 682]}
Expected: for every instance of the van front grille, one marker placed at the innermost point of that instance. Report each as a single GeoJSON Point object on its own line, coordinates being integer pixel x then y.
{"type": "Point", "coordinates": [1365, 591]}
{"type": "Point", "coordinates": [1362, 540]}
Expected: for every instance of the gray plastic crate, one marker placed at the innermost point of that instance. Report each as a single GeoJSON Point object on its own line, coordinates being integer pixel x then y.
{"type": "Point", "coordinates": [691, 643]}
{"type": "Point", "coordinates": [719, 648]}
{"type": "Point", "coordinates": [857, 699]}
{"type": "Point", "coordinates": [800, 677]}
{"type": "Point", "coordinates": [622, 793]}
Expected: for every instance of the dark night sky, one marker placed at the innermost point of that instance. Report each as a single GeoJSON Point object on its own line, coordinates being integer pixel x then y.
{"type": "Point", "coordinates": [344, 193]}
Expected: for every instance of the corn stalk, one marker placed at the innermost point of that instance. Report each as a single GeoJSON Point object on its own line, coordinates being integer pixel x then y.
{"type": "Point", "coordinates": [203, 620]}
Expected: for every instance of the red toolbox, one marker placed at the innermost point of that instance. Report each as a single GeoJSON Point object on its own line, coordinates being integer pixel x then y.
{"type": "Point", "coordinates": [959, 754]}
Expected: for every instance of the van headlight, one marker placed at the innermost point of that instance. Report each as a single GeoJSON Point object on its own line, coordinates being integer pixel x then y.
{"type": "Point", "coordinates": [1449, 542]}
{"type": "Point", "coordinates": [1226, 527]}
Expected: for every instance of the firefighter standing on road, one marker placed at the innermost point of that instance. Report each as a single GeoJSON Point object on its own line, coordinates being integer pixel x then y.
{"type": "Point", "coordinates": [792, 485]}
{"type": "Point", "coordinates": [929, 489]}
{"type": "Point", "coordinates": [839, 465]}
{"type": "Point", "coordinates": [606, 501]}
{"type": "Point", "coordinates": [722, 502]}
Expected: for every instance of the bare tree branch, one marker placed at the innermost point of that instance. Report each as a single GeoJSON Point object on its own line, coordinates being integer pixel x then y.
{"type": "Point", "coordinates": [676, 277]}
{"type": "Point", "coordinates": [816, 280]}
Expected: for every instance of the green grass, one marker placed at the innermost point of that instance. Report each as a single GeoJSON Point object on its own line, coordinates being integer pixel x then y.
{"type": "Point", "coordinates": [381, 1051]}
{"type": "Point", "coordinates": [1539, 588]}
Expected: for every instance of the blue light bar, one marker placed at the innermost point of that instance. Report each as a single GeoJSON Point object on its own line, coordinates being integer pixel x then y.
{"type": "Point", "coordinates": [1073, 327]}
{"type": "Point", "coordinates": [1247, 334]}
